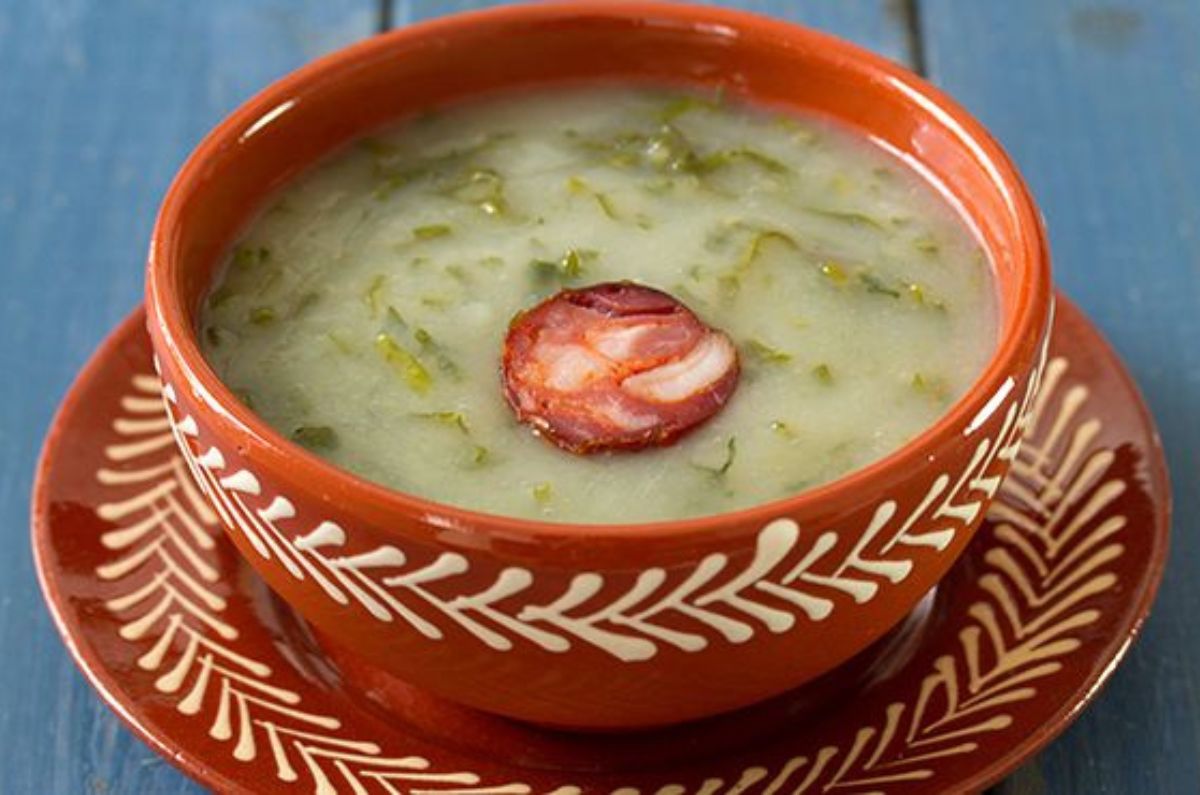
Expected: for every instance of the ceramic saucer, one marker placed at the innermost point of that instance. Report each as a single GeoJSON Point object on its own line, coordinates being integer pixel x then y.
{"type": "Point", "coordinates": [206, 666]}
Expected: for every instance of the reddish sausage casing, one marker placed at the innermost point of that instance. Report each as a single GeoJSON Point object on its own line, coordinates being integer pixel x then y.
{"type": "Point", "coordinates": [615, 366]}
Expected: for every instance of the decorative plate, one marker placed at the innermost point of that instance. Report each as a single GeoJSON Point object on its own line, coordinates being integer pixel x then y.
{"type": "Point", "coordinates": [211, 670]}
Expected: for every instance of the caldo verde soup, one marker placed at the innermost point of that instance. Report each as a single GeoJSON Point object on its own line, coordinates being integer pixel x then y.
{"type": "Point", "coordinates": [365, 312]}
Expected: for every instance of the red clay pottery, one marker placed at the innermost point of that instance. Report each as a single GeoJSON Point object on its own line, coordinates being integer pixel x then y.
{"type": "Point", "coordinates": [596, 627]}
{"type": "Point", "coordinates": [190, 648]}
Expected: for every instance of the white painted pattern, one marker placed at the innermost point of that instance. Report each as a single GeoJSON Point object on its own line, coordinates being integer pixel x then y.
{"type": "Point", "coordinates": [801, 572]}
{"type": "Point", "coordinates": [1056, 535]}
{"type": "Point", "coordinates": [163, 552]}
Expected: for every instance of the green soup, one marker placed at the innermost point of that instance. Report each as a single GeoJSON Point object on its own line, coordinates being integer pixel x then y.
{"type": "Point", "coordinates": [363, 313]}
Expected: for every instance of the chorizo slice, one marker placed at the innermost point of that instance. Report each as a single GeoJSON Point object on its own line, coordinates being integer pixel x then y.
{"type": "Point", "coordinates": [615, 366]}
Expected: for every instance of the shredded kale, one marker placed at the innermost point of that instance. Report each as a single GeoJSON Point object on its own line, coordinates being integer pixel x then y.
{"type": "Point", "coordinates": [338, 342]}
{"type": "Point", "coordinates": [718, 160]}
{"type": "Point", "coordinates": [220, 295]}
{"type": "Point", "coordinates": [569, 267]}
{"type": "Point", "coordinates": [606, 205]}
{"type": "Point", "coordinates": [262, 315]}
{"type": "Point", "coordinates": [393, 321]}
{"type": "Point", "coordinates": [766, 353]}
{"type": "Point", "coordinates": [926, 244]}
{"type": "Point", "coordinates": [480, 455]}
{"type": "Point", "coordinates": [451, 419]}
{"type": "Point", "coordinates": [214, 334]}
{"type": "Point", "coordinates": [244, 396]}
{"type": "Point", "coordinates": [392, 176]}
{"type": "Point", "coordinates": [374, 293]}
{"type": "Point", "coordinates": [721, 469]}
{"type": "Point", "coordinates": [305, 301]}
{"type": "Point", "coordinates": [482, 188]}
{"type": "Point", "coordinates": [689, 103]}
{"type": "Point", "coordinates": [847, 217]}
{"type": "Point", "coordinates": [431, 347]}
{"type": "Point", "coordinates": [457, 421]}
{"type": "Point", "coordinates": [873, 284]}
{"type": "Point", "coordinates": [934, 387]}
{"type": "Point", "coordinates": [431, 231]}
{"type": "Point", "coordinates": [316, 437]}
{"type": "Point", "coordinates": [542, 493]}
{"type": "Point", "coordinates": [404, 363]}
{"type": "Point", "coordinates": [755, 248]}
{"type": "Point", "coordinates": [666, 151]}
{"type": "Point", "coordinates": [783, 429]}
{"type": "Point", "coordinates": [729, 282]}
{"type": "Point", "coordinates": [249, 256]}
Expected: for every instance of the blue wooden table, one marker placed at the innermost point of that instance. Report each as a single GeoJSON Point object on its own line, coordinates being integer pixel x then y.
{"type": "Point", "coordinates": [101, 100]}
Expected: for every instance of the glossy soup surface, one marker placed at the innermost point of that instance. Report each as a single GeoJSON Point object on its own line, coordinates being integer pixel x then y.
{"type": "Point", "coordinates": [861, 305]}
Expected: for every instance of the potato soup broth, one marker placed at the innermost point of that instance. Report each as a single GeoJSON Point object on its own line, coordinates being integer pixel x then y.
{"type": "Point", "coordinates": [363, 313]}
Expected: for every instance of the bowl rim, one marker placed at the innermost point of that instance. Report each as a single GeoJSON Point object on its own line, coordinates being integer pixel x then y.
{"type": "Point", "coordinates": [1031, 314]}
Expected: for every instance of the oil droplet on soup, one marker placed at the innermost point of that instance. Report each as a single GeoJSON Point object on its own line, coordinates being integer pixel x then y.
{"type": "Point", "coordinates": [364, 312]}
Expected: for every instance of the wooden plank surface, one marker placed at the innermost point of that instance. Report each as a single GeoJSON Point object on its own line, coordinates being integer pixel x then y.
{"type": "Point", "coordinates": [99, 104]}
{"type": "Point", "coordinates": [882, 25]}
{"type": "Point", "coordinates": [1099, 104]}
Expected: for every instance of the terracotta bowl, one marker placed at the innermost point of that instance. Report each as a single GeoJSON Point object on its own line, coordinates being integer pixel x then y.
{"type": "Point", "coordinates": [585, 626]}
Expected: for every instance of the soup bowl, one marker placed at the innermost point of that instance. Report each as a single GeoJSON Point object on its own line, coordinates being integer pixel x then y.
{"type": "Point", "coordinates": [596, 626]}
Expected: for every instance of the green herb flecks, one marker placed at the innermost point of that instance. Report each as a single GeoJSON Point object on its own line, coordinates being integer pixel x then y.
{"type": "Point", "coordinates": [244, 396]}
{"type": "Point", "coordinates": [758, 243]}
{"type": "Point", "coordinates": [373, 296]}
{"type": "Point", "coordinates": [339, 342]}
{"type": "Point", "coordinates": [729, 281]}
{"type": "Point", "coordinates": [476, 454]}
{"type": "Point", "coordinates": [781, 428]}
{"type": "Point", "coordinates": [451, 419]}
{"type": "Point", "coordinates": [570, 267]}
{"type": "Point", "coordinates": [935, 388]}
{"type": "Point", "coordinates": [926, 244]}
{"type": "Point", "coordinates": [666, 151]}
{"type": "Point", "coordinates": [921, 296]}
{"type": "Point", "coordinates": [873, 284]}
{"type": "Point", "coordinates": [394, 323]}
{"type": "Point", "coordinates": [823, 373]}
{"type": "Point", "coordinates": [262, 315]}
{"type": "Point", "coordinates": [722, 158]}
{"type": "Point", "coordinates": [542, 493]}
{"type": "Point", "coordinates": [431, 231]}
{"type": "Point", "coordinates": [306, 301]}
{"type": "Point", "coordinates": [431, 347]}
{"type": "Point", "coordinates": [579, 187]}
{"type": "Point", "coordinates": [670, 150]}
{"type": "Point", "coordinates": [852, 217]}
{"type": "Point", "coordinates": [316, 437]}
{"type": "Point", "coordinates": [406, 365]}
{"type": "Point", "coordinates": [835, 272]}
{"type": "Point", "coordinates": [215, 335]}
{"type": "Point", "coordinates": [221, 295]}
{"type": "Point", "coordinates": [720, 468]}
{"type": "Point", "coordinates": [767, 354]}
{"type": "Point", "coordinates": [250, 256]}
{"type": "Point", "coordinates": [393, 171]}
{"type": "Point", "coordinates": [689, 103]}
{"type": "Point", "coordinates": [483, 188]}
